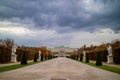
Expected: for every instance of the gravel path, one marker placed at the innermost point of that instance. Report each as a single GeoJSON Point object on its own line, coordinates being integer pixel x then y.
{"type": "Point", "coordinates": [59, 69]}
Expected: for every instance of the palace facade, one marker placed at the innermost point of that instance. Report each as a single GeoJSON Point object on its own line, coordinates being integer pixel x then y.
{"type": "Point", "coordinates": [62, 50]}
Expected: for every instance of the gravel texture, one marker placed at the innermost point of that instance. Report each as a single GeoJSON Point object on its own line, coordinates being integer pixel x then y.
{"type": "Point", "coordinates": [59, 69]}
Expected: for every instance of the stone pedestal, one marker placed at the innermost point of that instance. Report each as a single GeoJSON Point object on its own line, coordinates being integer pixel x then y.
{"type": "Point", "coordinates": [14, 58]}
{"type": "Point", "coordinates": [39, 55]}
{"type": "Point", "coordinates": [84, 58]}
{"type": "Point", "coordinates": [109, 59]}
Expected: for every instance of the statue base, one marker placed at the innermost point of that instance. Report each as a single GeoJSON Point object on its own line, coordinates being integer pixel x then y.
{"type": "Point", "coordinates": [14, 58]}
{"type": "Point", "coordinates": [84, 58]}
{"type": "Point", "coordinates": [39, 57]}
{"type": "Point", "coordinates": [109, 59]}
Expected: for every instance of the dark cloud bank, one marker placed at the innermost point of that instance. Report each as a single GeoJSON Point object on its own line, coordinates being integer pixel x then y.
{"type": "Point", "coordinates": [63, 15]}
{"type": "Point", "coordinates": [76, 14]}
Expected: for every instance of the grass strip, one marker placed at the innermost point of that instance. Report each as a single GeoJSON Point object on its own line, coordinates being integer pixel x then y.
{"type": "Point", "coordinates": [16, 66]}
{"type": "Point", "coordinates": [105, 67]}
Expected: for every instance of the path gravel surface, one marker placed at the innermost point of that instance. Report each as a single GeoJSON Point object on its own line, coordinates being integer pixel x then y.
{"type": "Point", "coordinates": [59, 69]}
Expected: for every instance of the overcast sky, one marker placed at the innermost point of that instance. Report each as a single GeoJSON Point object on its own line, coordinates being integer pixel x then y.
{"type": "Point", "coordinates": [60, 22]}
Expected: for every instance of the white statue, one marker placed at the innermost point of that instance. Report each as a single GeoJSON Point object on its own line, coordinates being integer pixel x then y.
{"type": "Point", "coordinates": [39, 54]}
{"type": "Point", "coordinates": [84, 56]}
{"type": "Point", "coordinates": [13, 55]}
{"type": "Point", "coordinates": [109, 57]}
{"type": "Point", "coordinates": [109, 49]}
{"type": "Point", "coordinates": [14, 49]}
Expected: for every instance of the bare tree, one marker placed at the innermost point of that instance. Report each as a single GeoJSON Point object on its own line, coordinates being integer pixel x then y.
{"type": "Point", "coordinates": [116, 43]}
{"type": "Point", "coordinates": [9, 42]}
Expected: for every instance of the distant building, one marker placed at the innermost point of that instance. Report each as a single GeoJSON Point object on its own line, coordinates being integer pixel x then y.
{"type": "Point", "coordinates": [62, 50]}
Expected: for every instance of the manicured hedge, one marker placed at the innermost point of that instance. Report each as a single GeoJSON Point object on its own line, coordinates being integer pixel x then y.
{"type": "Point", "coordinates": [30, 54]}
{"type": "Point", "coordinates": [5, 54]}
{"type": "Point", "coordinates": [92, 56]}
{"type": "Point", "coordinates": [116, 56]}
{"type": "Point", "coordinates": [104, 54]}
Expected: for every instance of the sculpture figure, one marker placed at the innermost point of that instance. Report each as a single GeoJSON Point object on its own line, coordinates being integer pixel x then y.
{"type": "Point", "coordinates": [109, 49]}
{"type": "Point", "coordinates": [13, 55]}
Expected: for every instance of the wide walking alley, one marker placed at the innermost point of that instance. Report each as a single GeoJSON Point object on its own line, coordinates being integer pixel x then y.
{"type": "Point", "coordinates": [59, 69]}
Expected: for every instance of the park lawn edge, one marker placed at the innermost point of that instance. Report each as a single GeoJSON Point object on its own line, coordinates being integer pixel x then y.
{"type": "Point", "coordinates": [16, 66]}
{"type": "Point", "coordinates": [104, 67]}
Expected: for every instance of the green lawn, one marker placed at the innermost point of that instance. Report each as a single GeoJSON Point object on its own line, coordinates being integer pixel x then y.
{"type": "Point", "coordinates": [105, 67]}
{"type": "Point", "coordinates": [16, 66]}
{"type": "Point", "coordinates": [11, 67]}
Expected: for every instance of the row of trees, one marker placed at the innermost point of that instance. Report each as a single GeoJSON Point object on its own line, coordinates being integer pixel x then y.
{"type": "Point", "coordinates": [41, 54]}
{"type": "Point", "coordinates": [86, 58]}
{"type": "Point", "coordinates": [7, 42]}
{"type": "Point", "coordinates": [36, 57]}
{"type": "Point", "coordinates": [5, 53]}
{"type": "Point", "coordinates": [102, 49]}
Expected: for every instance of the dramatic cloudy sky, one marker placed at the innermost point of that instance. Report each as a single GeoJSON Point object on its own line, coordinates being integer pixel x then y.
{"type": "Point", "coordinates": [60, 22]}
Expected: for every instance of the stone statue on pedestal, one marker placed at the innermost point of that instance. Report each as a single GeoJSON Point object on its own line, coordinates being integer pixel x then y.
{"type": "Point", "coordinates": [109, 49]}
{"type": "Point", "coordinates": [110, 56]}
{"type": "Point", "coordinates": [39, 55]}
{"type": "Point", "coordinates": [13, 55]}
{"type": "Point", "coordinates": [84, 56]}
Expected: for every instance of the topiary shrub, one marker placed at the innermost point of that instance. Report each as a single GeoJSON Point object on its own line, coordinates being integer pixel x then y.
{"type": "Point", "coordinates": [45, 57]}
{"type": "Point", "coordinates": [81, 57]}
{"type": "Point", "coordinates": [51, 56]}
{"type": "Point", "coordinates": [77, 57]}
{"type": "Point", "coordinates": [35, 57]}
{"type": "Point", "coordinates": [71, 56]}
{"type": "Point", "coordinates": [24, 59]}
{"type": "Point", "coordinates": [74, 56]}
{"type": "Point", "coordinates": [48, 56]}
{"type": "Point", "coordinates": [98, 60]}
{"type": "Point", "coordinates": [87, 58]}
{"type": "Point", "coordinates": [42, 57]}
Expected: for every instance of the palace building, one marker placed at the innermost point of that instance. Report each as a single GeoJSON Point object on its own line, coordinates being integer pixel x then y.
{"type": "Point", "coordinates": [62, 50]}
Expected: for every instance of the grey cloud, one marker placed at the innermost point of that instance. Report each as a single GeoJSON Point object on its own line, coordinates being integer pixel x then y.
{"type": "Point", "coordinates": [63, 13]}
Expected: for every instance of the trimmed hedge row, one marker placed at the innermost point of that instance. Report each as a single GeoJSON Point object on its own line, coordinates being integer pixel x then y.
{"type": "Point", "coordinates": [5, 54]}
{"type": "Point", "coordinates": [30, 54]}
{"type": "Point", "coordinates": [103, 54]}
{"type": "Point", "coordinates": [116, 55]}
